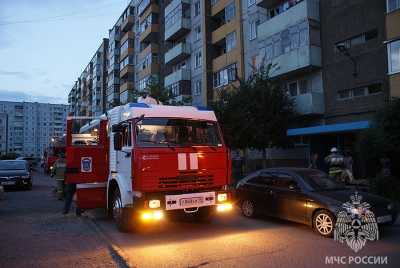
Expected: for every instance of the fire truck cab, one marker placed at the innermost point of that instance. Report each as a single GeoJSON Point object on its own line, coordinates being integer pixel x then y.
{"type": "Point", "coordinates": [143, 162]}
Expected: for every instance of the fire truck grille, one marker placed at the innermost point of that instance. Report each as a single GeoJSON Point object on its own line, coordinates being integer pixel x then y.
{"type": "Point", "coordinates": [183, 182]}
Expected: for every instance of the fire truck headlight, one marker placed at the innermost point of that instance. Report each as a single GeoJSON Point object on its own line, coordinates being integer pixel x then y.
{"type": "Point", "coordinates": [222, 197]}
{"type": "Point", "coordinates": [224, 207]}
{"type": "Point", "coordinates": [154, 203]}
{"type": "Point", "coordinates": [146, 216]}
{"type": "Point", "coordinates": [158, 215]}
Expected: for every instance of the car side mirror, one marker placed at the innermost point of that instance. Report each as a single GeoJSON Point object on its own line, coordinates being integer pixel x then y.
{"type": "Point", "coordinates": [117, 141]}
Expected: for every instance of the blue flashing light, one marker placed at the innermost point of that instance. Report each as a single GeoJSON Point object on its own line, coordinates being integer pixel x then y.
{"type": "Point", "coordinates": [202, 108]}
{"type": "Point", "coordinates": [138, 105]}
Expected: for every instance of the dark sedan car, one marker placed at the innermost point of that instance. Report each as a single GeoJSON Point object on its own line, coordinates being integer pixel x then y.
{"type": "Point", "coordinates": [303, 195]}
{"type": "Point", "coordinates": [15, 173]}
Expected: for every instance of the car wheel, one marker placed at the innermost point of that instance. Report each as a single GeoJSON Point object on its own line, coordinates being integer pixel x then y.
{"type": "Point", "coordinates": [123, 217]}
{"type": "Point", "coordinates": [248, 208]}
{"type": "Point", "coordinates": [323, 223]}
{"type": "Point", "coordinates": [29, 186]}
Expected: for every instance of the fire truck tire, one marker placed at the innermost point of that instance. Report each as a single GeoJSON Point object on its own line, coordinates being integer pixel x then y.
{"type": "Point", "coordinates": [123, 217]}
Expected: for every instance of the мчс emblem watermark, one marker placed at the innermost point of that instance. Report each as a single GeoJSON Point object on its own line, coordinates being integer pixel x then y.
{"type": "Point", "coordinates": [355, 225]}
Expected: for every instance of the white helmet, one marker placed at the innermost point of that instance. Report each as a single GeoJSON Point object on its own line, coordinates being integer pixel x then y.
{"type": "Point", "coordinates": [334, 150]}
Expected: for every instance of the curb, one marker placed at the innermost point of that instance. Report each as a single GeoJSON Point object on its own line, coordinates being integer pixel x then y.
{"type": "Point", "coordinates": [117, 253]}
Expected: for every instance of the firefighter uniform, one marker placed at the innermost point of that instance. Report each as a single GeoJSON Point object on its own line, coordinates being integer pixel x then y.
{"type": "Point", "coordinates": [59, 175]}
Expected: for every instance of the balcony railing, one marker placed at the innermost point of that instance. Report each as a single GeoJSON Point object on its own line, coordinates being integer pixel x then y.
{"type": "Point", "coordinates": [177, 53]}
{"type": "Point", "coordinates": [180, 75]}
{"type": "Point", "coordinates": [179, 28]}
{"type": "Point", "coordinates": [310, 103]}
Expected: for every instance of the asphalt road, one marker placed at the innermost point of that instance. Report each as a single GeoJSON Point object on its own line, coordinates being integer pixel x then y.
{"type": "Point", "coordinates": [34, 233]}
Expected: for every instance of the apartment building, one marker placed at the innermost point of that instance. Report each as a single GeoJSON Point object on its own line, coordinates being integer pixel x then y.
{"type": "Point", "coordinates": [225, 54]}
{"type": "Point", "coordinates": [392, 22]}
{"type": "Point", "coordinates": [26, 128]}
{"type": "Point", "coordinates": [3, 132]}
{"type": "Point", "coordinates": [149, 42]}
{"type": "Point", "coordinates": [88, 94]}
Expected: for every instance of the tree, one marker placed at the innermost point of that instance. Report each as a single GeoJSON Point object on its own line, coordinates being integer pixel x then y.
{"type": "Point", "coordinates": [256, 114]}
{"type": "Point", "coordinates": [383, 138]}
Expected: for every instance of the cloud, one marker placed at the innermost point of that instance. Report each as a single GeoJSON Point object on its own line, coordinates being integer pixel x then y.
{"type": "Point", "coordinates": [14, 73]}
{"type": "Point", "coordinates": [8, 95]}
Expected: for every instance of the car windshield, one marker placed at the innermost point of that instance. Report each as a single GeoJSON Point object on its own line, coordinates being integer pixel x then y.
{"type": "Point", "coordinates": [320, 181]}
{"type": "Point", "coordinates": [12, 165]}
{"type": "Point", "coordinates": [162, 132]}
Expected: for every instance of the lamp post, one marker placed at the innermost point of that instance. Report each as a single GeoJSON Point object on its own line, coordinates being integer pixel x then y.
{"type": "Point", "coordinates": [343, 49]}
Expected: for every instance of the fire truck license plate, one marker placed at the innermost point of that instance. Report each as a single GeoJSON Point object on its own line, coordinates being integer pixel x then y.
{"type": "Point", "coordinates": [192, 200]}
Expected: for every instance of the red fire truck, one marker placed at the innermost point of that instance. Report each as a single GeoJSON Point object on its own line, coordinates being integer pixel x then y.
{"type": "Point", "coordinates": [52, 153]}
{"type": "Point", "coordinates": [144, 161]}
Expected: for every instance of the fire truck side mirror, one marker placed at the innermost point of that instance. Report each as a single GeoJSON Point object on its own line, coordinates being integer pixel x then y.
{"type": "Point", "coordinates": [117, 141]}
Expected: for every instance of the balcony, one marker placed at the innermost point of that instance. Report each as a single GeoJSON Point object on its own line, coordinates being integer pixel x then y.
{"type": "Point", "coordinates": [219, 6]}
{"type": "Point", "coordinates": [307, 9]}
{"type": "Point", "coordinates": [126, 36]}
{"type": "Point", "coordinates": [303, 58]}
{"type": "Point", "coordinates": [126, 52]}
{"type": "Point", "coordinates": [179, 28]}
{"type": "Point", "coordinates": [180, 75]}
{"type": "Point", "coordinates": [177, 53]}
{"type": "Point", "coordinates": [392, 25]}
{"type": "Point", "coordinates": [154, 8]}
{"type": "Point", "coordinates": [151, 48]}
{"type": "Point", "coordinates": [153, 68]}
{"type": "Point", "coordinates": [226, 59]}
{"type": "Point", "coordinates": [223, 31]}
{"type": "Point", "coordinates": [127, 23]}
{"type": "Point", "coordinates": [126, 86]}
{"type": "Point", "coordinates": [310, 103]}
{"type": "Point", "coordinates": [267, 3]}
{"type": "Point", "coordinates": [150, 34]}
{"type": "Point", "coordinates": [128, 69]}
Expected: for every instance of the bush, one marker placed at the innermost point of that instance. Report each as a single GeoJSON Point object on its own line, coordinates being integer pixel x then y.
{"type": "Point", "coordinates": [388, 187]}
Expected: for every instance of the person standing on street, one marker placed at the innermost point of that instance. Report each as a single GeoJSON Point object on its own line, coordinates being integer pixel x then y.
{"type": "Point", "coordinates": [59, 175]}
{"type": "Point", "coordinates": [335, 162]}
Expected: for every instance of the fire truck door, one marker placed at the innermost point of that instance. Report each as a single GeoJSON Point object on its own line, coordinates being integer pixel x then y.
{"type": "Point", "coordinates": [124, 156]}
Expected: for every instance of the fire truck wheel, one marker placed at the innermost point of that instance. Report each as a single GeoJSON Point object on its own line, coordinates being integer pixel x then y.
{"type": "Point", "coordinates": [123, 217]}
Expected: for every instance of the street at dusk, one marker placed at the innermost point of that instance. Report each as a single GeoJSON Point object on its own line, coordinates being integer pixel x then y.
{"type": "Point", "coordinates": [35, 233]}
{"type": "Point", "coordinates": [199, 133]}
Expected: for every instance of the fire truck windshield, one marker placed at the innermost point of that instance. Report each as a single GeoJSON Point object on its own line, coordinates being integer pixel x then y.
{"type": "Point", "coordinates": [164, 132]}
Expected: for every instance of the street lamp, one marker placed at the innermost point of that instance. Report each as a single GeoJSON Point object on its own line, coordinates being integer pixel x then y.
{"type": "Point", "coordinates": [343, 49]}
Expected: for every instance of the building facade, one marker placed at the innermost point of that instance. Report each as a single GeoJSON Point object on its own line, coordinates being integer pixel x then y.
{"type": "Point", "coordinates": [392, 22]}
{"type": "Point", "coordinates": [26, 128]}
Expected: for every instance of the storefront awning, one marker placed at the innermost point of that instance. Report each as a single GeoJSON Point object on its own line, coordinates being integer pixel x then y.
{"type": "Point", "coordinates": [333, 128]}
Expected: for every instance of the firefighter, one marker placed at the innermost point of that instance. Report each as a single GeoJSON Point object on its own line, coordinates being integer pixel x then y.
{"type": "Point", "coordinates": [59, 174]}
{"type": "Point", "coordinates": [335, 162]}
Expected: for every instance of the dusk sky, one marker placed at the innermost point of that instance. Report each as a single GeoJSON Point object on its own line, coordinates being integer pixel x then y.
{"type": "Point", "coordinates": [45, 44]}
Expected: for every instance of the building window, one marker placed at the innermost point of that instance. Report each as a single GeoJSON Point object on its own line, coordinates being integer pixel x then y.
{"type": "Point", "coordinates": [253, 30]}
{"type": "Point", "coordinates": [298, 87]}
{"type": "Point", "coordinates": [197, 88]}
{"type": "Point", "coordinates": [394, 56]}
{"type": "Point", "coordinates": [230, 41]}
{"type": "Point", "coordinates": [197, 60]}
{"type": "Point", "coordinates": [198, 32]}
{"type": "Point", "coordinates": [197, 8]}
{"type": "Point", "coordinates": [357, 92]}
{"type": "Point", "coordinates": [230, 12]}
{"type": "Point", "coordinates": [357, 40]}
{"type": "Point", "coordinates": [392, 5]}
{"type": "Point", "coordinates": [225, 76]}
{"type": "Point", "coordinates": [175, 89]}
{"type": "Point", "coordinates": [250, 2]}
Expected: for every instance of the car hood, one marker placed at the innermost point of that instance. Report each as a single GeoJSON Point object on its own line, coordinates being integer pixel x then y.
{"type": "Point", "coordinates": [13, 173]}
{"type": "Point", "coordinates": [338, 197]}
